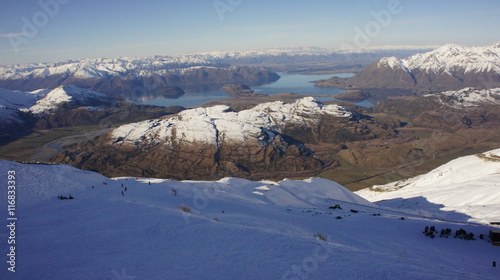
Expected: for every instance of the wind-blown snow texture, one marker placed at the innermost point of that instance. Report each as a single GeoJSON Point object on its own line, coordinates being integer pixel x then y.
{"type": "Point", "coordinates": [215, 124]}
{"type": "Point", "coordinates": [469, 185]}
{"type": "Point", "coordinates": [238, 229]}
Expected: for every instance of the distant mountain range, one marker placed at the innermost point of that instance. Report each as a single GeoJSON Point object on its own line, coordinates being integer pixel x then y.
{"type": "Point", "coordinates": [161, 73]}
{"type": "Point", "coordinates": [449, 67]}
{"type": "Point", "coordinates": [129, 77]}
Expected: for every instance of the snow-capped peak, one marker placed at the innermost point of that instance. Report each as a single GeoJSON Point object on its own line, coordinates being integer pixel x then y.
{"type": "Point", "coordinates": [392, 62]}
{"type": "Point", "coordinates": [451, 57]}
{"type": "Point", "coordinates": [69, 94]}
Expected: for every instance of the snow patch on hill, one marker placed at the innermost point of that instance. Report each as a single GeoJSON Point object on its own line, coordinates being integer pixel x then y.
{"type": "Point", "coordinates": [468, 185]}
{"type": "Point", "coordinates": [469, 97]}
{"type": "Point", "coordinates": [215, 124]}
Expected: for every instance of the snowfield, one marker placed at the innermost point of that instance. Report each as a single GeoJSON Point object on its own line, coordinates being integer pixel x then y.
{"type": "Point", "coordinates": [135, 228]}
{"type": "Point", "coordinates": [467, 187]}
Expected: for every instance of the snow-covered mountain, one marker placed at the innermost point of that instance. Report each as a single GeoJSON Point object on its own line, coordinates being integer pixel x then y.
{"type": "Point", "coordinates": [128, 76]}
{"type": "Point", "coordinates": [449, 67]}
{"type": "Point", "coordinates": [468, 186]}
{"type": "Point", "coordinates": [70, 96]}
{"type": "Point", "coordinates": [469, 97]}
{"type": "Point", "coordinates": [12, 101]}
{"type": "Point", "coordinates": [100, 67]}
{"type": "Point", "coordinates": [449, 59]}
{"type": "Point", "coordinates": [214, 125]}
{"type": "Point", "coordinates": [13, 116]}
{"type": "Point", "coordinates": [215, 142]}
{"type": "Point", "coordinates": [145, 228]}
{"type": "Point", "coordinates": [143, 66]}
{"type": "Point", "coordinates": [154, 74]}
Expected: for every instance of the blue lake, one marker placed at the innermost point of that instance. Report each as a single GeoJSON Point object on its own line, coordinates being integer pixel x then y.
{"type": "Point", "coordinates": [294, 83]}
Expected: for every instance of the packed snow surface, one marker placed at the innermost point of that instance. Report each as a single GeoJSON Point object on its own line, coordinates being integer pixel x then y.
{"type": "Point", "coordinates": [215, 124]}
{"type": "Point", "coordinates": [465, 188]}
{"type": "Point", "coordinates": [146, 228]}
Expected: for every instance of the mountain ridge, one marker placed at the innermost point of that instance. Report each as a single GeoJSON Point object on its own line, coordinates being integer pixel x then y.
{"type": "Point", "coordinates": [450, 67]}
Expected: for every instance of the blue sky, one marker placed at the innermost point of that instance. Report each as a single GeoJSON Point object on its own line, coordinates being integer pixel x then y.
{"type": "Point", "coordinates": [112, 28]}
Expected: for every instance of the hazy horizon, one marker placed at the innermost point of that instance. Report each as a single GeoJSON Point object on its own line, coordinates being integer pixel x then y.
{"type": "Point", "coordinates": [56, 30]}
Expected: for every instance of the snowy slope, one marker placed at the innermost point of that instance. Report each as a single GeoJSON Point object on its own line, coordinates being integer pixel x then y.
{"type": "Point", "coordinates": [469, 185]}
{"type": "Point", "coordinates": [449, 58]}
{"type": "Point", "coordinates": [219, 123]}
{"type": "Point", "coordinates": [12, 102]}
{"type": "Point", "coordinates": [237, 229]}
{"type": "Point", "coordinates": [69, 94]}
{"type": "Point", "coordinates": [20, 99]}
